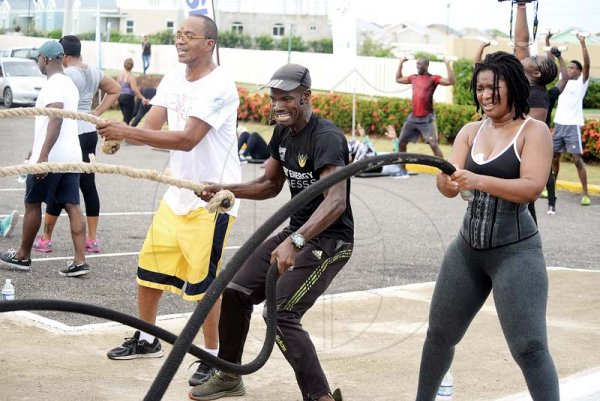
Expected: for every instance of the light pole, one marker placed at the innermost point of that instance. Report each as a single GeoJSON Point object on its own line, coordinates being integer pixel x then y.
{"type": "Point", "coordinates": [290, 43]}
{"type": "Point", "coordinates": [28, 16]}
{"type": "Point", "coordinates": [447, 18]}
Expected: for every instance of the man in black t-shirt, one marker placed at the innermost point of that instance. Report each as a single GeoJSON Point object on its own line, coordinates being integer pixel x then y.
{"type": "Point", "coordinates": [309, 252]}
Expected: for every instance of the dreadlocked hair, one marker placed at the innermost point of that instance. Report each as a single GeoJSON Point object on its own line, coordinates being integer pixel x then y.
{"type": "Point", "coordinates": [509, 68]}
{"type": "Point", "coordinates": [548, 71]}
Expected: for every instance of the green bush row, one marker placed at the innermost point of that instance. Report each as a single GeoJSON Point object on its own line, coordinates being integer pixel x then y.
{"type": "Point", "coordinates": [373, 113]}
{"type": "Point", "coordinates": [376, 113]}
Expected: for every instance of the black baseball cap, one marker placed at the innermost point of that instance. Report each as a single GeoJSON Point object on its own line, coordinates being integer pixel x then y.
{"type": "Point", "coordinates": [289, 77]}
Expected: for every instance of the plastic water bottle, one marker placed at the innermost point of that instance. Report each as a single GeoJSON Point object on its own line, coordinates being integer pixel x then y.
{"type": "Point", "coordinates": [446, 390]}
{"type": "Point", "coordinates": [8, 291]}
{"type": "Point", "coordinates": [22, 178]}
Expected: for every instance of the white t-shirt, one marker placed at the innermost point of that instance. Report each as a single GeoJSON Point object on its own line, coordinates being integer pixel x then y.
{"type": "Point", "coordinates": [213, 99]}
{"type": "Point", "coordinates": [569, 110]}
{"type": "Point", "coordinates": [58, 89]}
{"type": "Point", "coordinates": [87, 80]}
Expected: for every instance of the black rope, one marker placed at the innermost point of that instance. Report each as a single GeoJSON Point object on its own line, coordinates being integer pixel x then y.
{"type": "Point", "coordinates": [183, 343]}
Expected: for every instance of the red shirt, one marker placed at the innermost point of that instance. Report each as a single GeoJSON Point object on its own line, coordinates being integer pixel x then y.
{"type": "Point", "coordinates": [423, 87]}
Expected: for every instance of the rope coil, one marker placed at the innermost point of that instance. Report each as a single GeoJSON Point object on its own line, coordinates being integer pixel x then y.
{"type": "Point", "coordinates": [108, 147]}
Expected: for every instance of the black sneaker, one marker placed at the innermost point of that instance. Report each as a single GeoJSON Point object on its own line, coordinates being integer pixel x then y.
{"type": "Point", "coordinates": [203, 373]}
{"type": "Point", "coordinates": [8, 260]}
{"type": "Point", "coordinates": [218, 386]}
{"type": "Point", "coordinates": [337, 395]}
{"type": "Point", "coordinates": [73, 270]}
{"type": "Point", "coordinates": [134, 348]}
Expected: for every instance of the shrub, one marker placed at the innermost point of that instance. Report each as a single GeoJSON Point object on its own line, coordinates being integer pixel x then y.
{"type": "Point", "coordinates": [373, 113]}
{"type": "Point", "coordinates": [55, 34]}
{"type": "Point", "coordinates": [590, 138]}
{"type": "Point", "coordinates": [463, 72]}
{"type": "Point", "coordinates": [592, 96]}
{"type": "Point", "coordinates": [451, 118]}
{"type": "Point", "coordinates": [264, 42]}
{"type": "Point", "coordinates": [234, 39]}
{"type": "Point", "coordinates": [321, 46]}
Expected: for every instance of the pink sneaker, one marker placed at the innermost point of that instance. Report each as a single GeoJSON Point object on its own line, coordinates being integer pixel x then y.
{"type": "Point", "coordinates": [42, 246]}
{"type": "Point", "coordinates": [92, 245]}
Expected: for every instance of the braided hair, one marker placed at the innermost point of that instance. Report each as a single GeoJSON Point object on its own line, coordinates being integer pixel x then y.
{"type": "Point", "coordinates": [548, 71]}
{"type": "Point", "coordinates": [510, 69]}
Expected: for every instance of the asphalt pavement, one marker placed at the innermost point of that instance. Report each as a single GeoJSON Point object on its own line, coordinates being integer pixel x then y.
{"type": "Point", "coordinates": [402, 229]}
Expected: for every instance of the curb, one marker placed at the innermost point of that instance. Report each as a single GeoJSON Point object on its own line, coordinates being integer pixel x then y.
{"type": "Point", "coordinates": [562, 185]}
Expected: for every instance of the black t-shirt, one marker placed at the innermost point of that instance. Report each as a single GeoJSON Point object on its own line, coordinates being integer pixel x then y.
{"type": "Point", "coordinates": [553, 95]}
{"type": "Point", "coordinates": [538, 98]}
{"type": "Point", "coordinates": [303, 155]}
{"type": "Point", "coordinates": [146, 49]}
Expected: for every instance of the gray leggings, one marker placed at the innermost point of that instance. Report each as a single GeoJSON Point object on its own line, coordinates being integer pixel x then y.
{"type": "Point", "coordinates": [517, 276]}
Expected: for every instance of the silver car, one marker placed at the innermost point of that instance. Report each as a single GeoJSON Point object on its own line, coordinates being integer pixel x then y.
{"type": "Point", "coordinates": [20, 81]}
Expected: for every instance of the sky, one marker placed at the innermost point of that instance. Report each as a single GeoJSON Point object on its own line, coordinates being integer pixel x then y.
{"type": "Point", "coordinates": [483, 14]}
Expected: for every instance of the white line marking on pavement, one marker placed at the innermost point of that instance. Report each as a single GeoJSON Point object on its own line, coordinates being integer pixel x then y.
{"type": "Point", "coordinates": [102, 255]}
{"type": "Point", "coordinates": [582, 386]}
{"type": "Point", "coordinates": [12, 189]}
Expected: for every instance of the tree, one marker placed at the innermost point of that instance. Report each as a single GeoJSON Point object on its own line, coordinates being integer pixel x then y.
{"type": "Point", "coordinates": [371, 48]}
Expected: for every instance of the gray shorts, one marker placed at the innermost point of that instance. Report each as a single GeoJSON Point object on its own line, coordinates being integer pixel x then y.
{"type": "Point", "coordinates": [567, 138]}
{"type": "Point", "coordinates": [416, 127]}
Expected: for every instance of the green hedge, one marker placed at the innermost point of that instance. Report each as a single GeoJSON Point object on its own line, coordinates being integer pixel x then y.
{"type": "Point", "coordinates": [375, 113]}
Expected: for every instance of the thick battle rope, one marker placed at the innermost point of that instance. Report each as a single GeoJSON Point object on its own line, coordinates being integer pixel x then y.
{"type": "Point", "coordinates": [221, 203]}
{"type": "Point", "coordinates": [108, 147]}
{"type": "Point", "coordinates": [183, 343]}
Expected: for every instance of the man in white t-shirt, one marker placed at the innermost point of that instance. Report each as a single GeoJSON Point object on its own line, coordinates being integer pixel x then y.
{"type": "Point", "coordinates": [183, 248]}
{"type": "Point", "coordinates": [568, 118]}
{"type": "Point", "coordinates": [55, 140]}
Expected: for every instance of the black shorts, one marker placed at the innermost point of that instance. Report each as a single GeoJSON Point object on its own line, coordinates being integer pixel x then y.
{"type": "Point", "coordinates": [61, 188]}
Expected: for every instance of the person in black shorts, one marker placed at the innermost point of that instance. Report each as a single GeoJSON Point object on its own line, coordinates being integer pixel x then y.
{"type": "Point", "coordinates": [55, 141]}
{"type": "Point", "coordinates": [309, 252]}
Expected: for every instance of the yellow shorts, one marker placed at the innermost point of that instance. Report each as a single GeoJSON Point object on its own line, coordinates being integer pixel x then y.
{"type": "Point", "coordinates": [182, 254]}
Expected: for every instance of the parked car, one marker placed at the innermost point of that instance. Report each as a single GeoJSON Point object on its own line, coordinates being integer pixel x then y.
{"type": "Point", "coordinates": [20, 81]}
{"type": "Point", "coordinates": [20, 52]}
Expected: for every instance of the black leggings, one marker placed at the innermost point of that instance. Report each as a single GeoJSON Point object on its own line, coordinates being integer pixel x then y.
{"type": "Point", "coordinates": [127, 105]}
{"type": "Point", "coordinates": [87, 182]}
{"type": "Point", "coordinates": [551, 188]}
{"type": "Point", "coordinates": [516, 275]}
{"type": "Point", "coordinates": [256, 147]}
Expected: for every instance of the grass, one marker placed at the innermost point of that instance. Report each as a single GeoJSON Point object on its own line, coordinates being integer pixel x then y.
{"type": "Point", "coordinates": [568, 172]}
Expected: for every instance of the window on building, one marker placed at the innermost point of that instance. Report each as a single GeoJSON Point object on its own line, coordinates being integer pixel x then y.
{"type": "Point", "coordinates": [170, 25]}
{"type": "Point", "coordinates": [129, 28]}
{"type": "Point", "coordinates": [313, 28]}
{"type": "Point", "coordinates": [237, 27]}
{"type": "Point", "coordinates": [278, 30]}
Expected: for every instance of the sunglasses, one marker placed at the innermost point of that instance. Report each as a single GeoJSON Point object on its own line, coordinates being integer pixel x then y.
{"type": "Point", "coordinates": [186, 37]}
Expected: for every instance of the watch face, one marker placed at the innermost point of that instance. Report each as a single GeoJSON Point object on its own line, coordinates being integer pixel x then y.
{"type": "Point", "coordinates": [297, 240]}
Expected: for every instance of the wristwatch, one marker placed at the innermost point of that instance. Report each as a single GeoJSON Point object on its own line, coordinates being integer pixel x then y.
{"type": "Point", "coordinates": [297, 240]}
